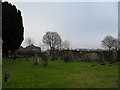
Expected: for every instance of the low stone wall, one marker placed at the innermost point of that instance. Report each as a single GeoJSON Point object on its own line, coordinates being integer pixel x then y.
{"type": "Point", "coordinates": [85, 57]}
{"type": "Point", "coordinates": [89, 55]}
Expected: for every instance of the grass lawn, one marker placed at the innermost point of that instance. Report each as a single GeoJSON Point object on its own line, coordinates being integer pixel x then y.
{"type": "Point", "coordinates": [23, 74]}
{"type": "Point", "coordinates": [0, 76]}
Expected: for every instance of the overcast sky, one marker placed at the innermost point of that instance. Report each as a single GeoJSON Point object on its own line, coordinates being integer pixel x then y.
{"type": "Point", "coordinates": [84, 24]}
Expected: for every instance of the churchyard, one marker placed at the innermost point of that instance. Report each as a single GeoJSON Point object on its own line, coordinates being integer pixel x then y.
{"type": "Point", "coordinates": [58, 74]}
{"type": "Point", "coordinates": [54, 63]}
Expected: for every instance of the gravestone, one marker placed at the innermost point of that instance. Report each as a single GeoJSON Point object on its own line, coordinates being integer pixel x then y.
{"type": "Point", "coordinates": [6, 76]}
{"type": "Point", "coordinates": [36, 59]}
{"type": "Point", "coordinates": [53, 55]}
{"type": "Point", "coordinates": [26, 57]}
{"type": "Point", "coordinates": [67, 57]}
{"type": "Point", "coordinates": [45, 59]}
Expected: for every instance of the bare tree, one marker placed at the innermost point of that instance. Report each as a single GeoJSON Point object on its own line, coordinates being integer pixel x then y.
{"type": "Point", "coordinates": [107, 42]}
{"type": "Point", "coordinates": [111, 43]}
{"type": "Point", "coordinates": [65, 44]}
{"type": "Point", "coordinates": [52, 39]}
{"type": "Point", "coordinates": [116, 42]}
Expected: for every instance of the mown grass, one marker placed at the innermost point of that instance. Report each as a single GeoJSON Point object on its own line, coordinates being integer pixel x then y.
{"type": "Point", "coordinates": [0, 76]}
{"type": "Point", "coordinates": [23, 74]}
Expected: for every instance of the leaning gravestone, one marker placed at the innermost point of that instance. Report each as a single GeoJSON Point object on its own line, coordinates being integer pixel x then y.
{"type": "Point", "coordinates": [36, 59]}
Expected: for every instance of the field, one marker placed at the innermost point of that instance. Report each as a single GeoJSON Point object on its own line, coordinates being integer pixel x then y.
{"type": "Point", "coordinates": [23, 74]}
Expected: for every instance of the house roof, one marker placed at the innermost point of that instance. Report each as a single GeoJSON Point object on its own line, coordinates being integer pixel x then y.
{"type": "Point", "coordinates": [29, 48]}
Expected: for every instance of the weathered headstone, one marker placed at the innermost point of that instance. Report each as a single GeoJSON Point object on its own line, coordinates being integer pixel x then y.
{"type": "Point", "coordinates": [45, 59]}
{"type": "Point", "coordinates": [67, 57]}
{"type": "Point", "coordinates": [26, 57]}
{"type": "Point", "coordinates": [53, 55]}
{"type": "Point", "coordinates": [6, 76]}
{"type": "Point", "coordinates": [36, 59]}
